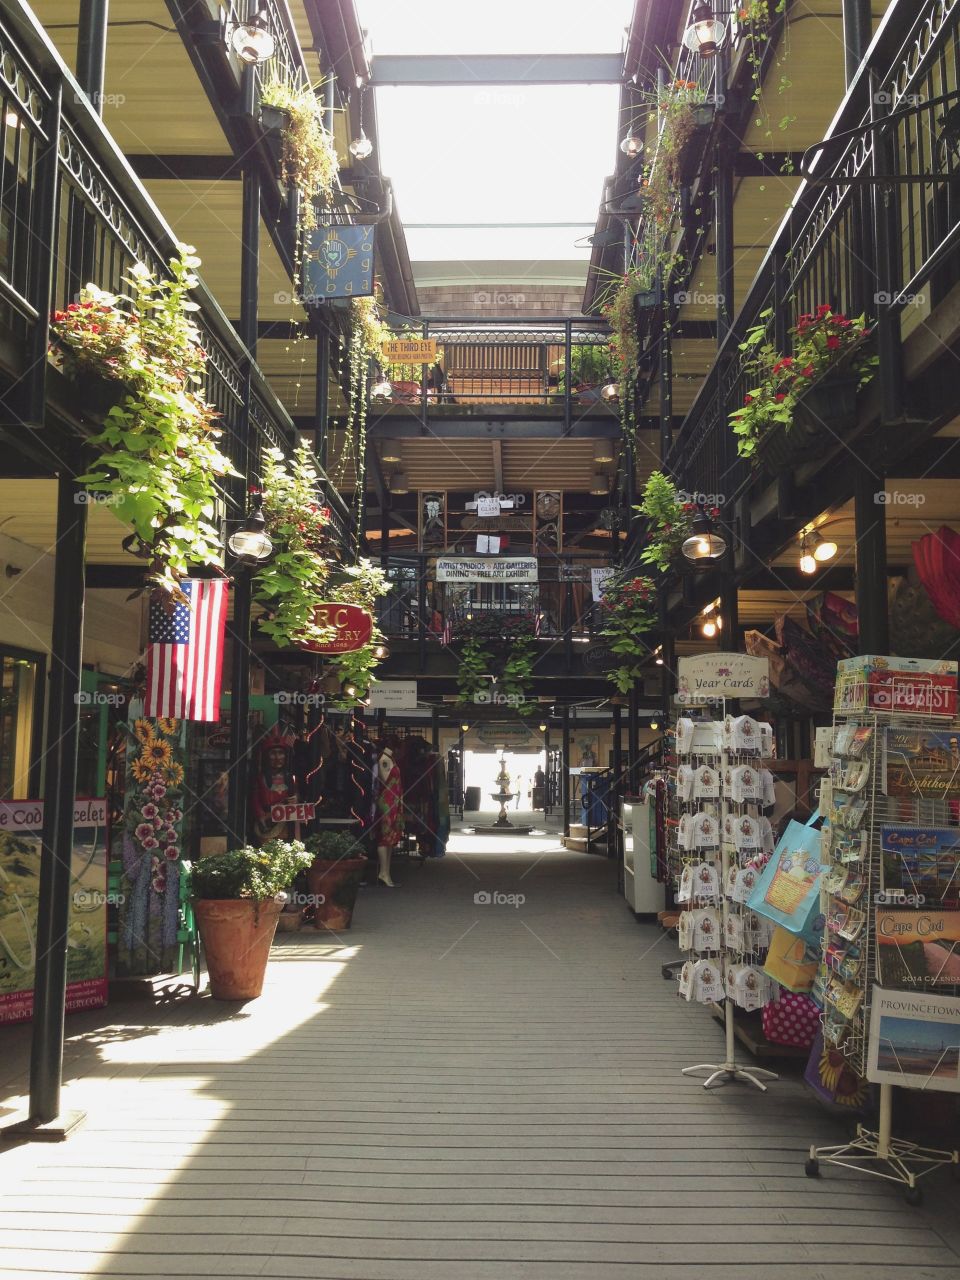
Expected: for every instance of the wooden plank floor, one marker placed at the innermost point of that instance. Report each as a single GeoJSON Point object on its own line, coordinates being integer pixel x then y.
{"type": "Point", "coordinates": [459, 1090]}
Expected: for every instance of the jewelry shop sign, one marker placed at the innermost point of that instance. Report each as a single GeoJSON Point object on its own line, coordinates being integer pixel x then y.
{"type": "Point", "coordinates": [722, 675]}
{"type": "Point", "coordinates": [476, 569]}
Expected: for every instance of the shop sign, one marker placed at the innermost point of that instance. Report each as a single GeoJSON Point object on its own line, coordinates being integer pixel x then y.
{"type": "Point", "coordinates": [293, 812]}
{"type": "Point", "coordinates": [21, 827]}
{"type": "Point", "coordinates": [913, 1040]}
{"type": "Point", "coordinates": [503, 735]}
{"type": "Point", "coordinates": [722, 675]}
{"type": "Point", "coordinates": [471, 569]}
{"type": "Point", "coordinates": [354, 628]}
{"type": "Point", "coordinates": [409, 350]}
{"type": "Point", "coordinates": [337, 263]}
{"type": "Point", "coordinates": [599, 657]}
{"type": "Point", "coordinates": [598, 581]}
{"type": "Point", "coordinates": [393, 695]}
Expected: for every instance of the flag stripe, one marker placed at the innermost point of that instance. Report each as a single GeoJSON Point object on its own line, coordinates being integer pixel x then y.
{"type": "Point", "coordinates": [185, 654]}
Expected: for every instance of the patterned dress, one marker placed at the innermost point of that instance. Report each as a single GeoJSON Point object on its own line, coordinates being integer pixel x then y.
{"type": "Point", "coordinates": [388, 825]}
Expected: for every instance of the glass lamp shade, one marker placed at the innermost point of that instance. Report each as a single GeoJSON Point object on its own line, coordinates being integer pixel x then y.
{"type": "Point", "coordinates": [398, 483]}
{"type": "Point", "coordinates": [704, 543]}
{"type": "Point", "coordinates": [807, 563]}
{"type": "Point", "coordinates": [709, 629]}
{"type": "Point", "coordinates": [382, 390]}
{"type": "Point", "coordinates": [464, 728]}
{"type": "Point", "coordinates": [252, 41]}
{"type": "Point", "coordinates": [599, 484]}
{"type": "Point", "coordinates": [361, 147]}
{"type": "Point", "coordinates": [632, 145]}
{"type": "Point", "coordinates": [610, 391]}
{"type": "Point", "coordinates": [250, 544]}
{"type": "Point", "coordinates": [705, 33]}
{"type": "Point", "coordinates": [390, 454]}
{"type": "Point", "coordinates": [603, 452]}
{"type": "Point", "coordinates": [824, 550]}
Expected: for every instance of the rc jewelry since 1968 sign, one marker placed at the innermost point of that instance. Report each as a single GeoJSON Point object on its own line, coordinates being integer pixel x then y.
{"type": "Point", "coordinates": [723, 675]}
{"type": "Point", "coordinates": [504, 569]}
{"type": "Point", "coordinates": [354, 627]}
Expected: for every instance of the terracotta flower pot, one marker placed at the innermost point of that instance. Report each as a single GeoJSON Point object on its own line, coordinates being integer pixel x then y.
{"type": "Point", "coordinates": [334, 885]}
{"type": "Point", "coordinates": [236, 934]}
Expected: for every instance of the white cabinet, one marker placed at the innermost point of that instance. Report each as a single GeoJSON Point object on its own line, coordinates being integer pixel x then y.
{"type": "Point", "coordinates": [643, 892]}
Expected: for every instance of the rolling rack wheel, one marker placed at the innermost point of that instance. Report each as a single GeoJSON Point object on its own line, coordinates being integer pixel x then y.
{"type": "Point", "coordinates": [913, 1196]}
{"type": "Point", "coordinates": [812, 1167]}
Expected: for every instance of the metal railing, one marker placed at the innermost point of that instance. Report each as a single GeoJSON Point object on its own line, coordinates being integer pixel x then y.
{"type": "Point", "coordinates": [557, 364]}
{"type": "Point", "coordinates": [418, 608]}
{"type": "Point", "coordinates": [92, 222]}
{"type": "Point", "coordinates": [850, 240]}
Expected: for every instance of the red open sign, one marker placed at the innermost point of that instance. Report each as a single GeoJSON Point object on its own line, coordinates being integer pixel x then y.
{"type": "Point", "coordinates": [292, 812]}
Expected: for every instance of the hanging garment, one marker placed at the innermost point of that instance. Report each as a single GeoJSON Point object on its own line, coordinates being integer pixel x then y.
{"type": "Point", "coordinates": [388, 824]}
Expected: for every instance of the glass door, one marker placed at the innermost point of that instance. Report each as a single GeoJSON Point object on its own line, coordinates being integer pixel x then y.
{"type": "Point", "coordinates": [21, 723]}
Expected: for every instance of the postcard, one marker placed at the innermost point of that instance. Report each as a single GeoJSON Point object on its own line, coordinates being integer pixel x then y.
{"type": "Point", "coordinates": [923, 863]}
{"type": "Point", "coordinates": [921, 762]}
{"type": "Point", "coordinates": [918, 948]}
{"type": "Point", "coordinates": [915, 1040]}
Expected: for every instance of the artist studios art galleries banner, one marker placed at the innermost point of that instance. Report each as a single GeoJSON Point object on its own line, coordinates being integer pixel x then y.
{"type": "Point", "coordinates": [21, 825]}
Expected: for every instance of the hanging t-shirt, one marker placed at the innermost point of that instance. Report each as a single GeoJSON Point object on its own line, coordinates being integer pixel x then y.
{"type": "Point", "coordinates": [706, 783]}
{"type": "Point", "coordinates": [685, 731]}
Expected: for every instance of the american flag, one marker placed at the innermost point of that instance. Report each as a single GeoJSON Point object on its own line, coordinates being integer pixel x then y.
{"type": "Point", "coordinates": [185, 653]}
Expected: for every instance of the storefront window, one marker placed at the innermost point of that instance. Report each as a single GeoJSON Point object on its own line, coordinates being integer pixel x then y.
{"type": "Point", "coordinates": [21, 691]}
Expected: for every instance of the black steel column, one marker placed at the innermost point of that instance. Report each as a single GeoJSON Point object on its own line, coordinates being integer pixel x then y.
{"type": "Point", "coordinates": [870, 531]}
{"type": "Point", "coordinates": [435, 728]}
{"type": "Point", "coordinates": [239, 631]}
{"type": "Point", "coordinates": [618, 780]}
{"type": "Point", "coordinates": [321, 412]}
{"type": "Point", "coordinates": [669, 656]}
{"type": "Point", "coordinates": [546, 771]}
{"type": "Point", "coordinates": [857, 34]}
{"type": "Point", "coordinates": [633, 736]}
{"type": "Point", "coordinates": [666, 375]}
{"type": "Point", "coordinates": [92, 50]}
{"type": "Point", "coordinates": [59, 786]}
{"type": "Point", "coordinates": [723, 205]}
{"type": "Point", "coordinates": [565, 771]}
{"type": "Point", "coordinates": [421, 613]}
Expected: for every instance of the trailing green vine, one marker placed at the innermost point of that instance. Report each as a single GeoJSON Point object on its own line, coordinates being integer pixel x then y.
{"type": "Point", "coordinates": [630, 604]}
{"type": "Point", "coordinates": [158, 451]}
{"type": "Point", "coordinates": [291, 583]}
{"type": "Point", "coordinates": [309, 159]}
{"type": "Point", "coordinates": [671, 520]}
{"type": "Point", "coordinates": [361, 584]}
{"type": "Point", "coordinates": [501, 645]}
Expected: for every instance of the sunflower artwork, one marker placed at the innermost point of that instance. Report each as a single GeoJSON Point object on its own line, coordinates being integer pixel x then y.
{"type": "Point", "coordinates": [830, 1075]}
{"type": "Point", "coordinates": [151, 848]}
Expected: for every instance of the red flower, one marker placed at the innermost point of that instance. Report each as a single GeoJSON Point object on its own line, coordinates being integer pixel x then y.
{"type": "Point", "coordinates": [780, 397]}
{"type": "Point", "coordinates": [748, 399]}
{"type": "Point", "coordinates": [824, 309]}
{"type": "Point", "coordinates": [833, 343]}
{"type": "Point", "coordinates": [808, 372]}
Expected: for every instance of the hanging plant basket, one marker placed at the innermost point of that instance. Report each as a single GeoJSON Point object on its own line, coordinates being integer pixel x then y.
{"type": "Point", "coordinates": [783, 447]}
{"type": "Point", "coordinates": [644, 301]}
{"type": "Point", "coordinates": [830, 404]}
{"type": "Point", "coordinates": [689, 163]}
{"type": "Point", "coordinates": [274, 119]}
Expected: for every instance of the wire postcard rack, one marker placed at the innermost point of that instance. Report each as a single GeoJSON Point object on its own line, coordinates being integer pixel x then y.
{"type": "Point", "coordinates": [719, 829]}
{"type": "Point", "coordinates": [893, 854]}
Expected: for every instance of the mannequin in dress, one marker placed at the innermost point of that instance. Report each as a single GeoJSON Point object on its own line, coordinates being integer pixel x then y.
{"type": "Point", "coordinates": [389, 820]}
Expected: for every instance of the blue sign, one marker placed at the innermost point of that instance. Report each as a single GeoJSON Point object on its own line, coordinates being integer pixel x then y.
{"type": "Point", "coordinates": [337, 263]}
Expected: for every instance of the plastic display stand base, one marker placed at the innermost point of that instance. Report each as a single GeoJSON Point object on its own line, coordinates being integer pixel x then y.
{"type": "Point", "coordinates": [728, 1072]}
{"type": "Point", "coordinates": [897, 1161]}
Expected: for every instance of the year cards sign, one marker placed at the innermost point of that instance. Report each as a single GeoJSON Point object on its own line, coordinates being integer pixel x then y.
{"type": "Point", "coordinates": [722, 675]}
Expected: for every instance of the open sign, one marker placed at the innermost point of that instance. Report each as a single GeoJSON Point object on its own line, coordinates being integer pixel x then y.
{"type": "Point", "coordinates": [354, 627]}
{"type": "Point", "coordinates": [292, 812]}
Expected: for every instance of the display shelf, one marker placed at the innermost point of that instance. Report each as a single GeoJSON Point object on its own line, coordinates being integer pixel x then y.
{"type": "Point", "coordinates": [912, 773]}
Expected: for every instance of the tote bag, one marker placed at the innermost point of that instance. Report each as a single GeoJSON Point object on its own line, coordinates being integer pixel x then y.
{"type": "Point", "coordinates": [788, 892]}
{"type": "Point", "coordinates": [787, 961]}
